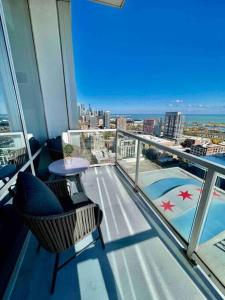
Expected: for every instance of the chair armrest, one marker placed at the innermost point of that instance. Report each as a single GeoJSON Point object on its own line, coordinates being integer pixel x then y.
{"type": "Point", "coordinates": [65, 214]}
{"type": "Point", "coordinates": [57, 233]}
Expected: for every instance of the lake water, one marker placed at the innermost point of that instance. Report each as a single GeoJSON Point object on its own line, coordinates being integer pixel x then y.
{"type": "Point", "coordinates": [189, 118]}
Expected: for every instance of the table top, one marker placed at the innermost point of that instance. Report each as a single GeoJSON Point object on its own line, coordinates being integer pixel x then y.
{"type": "Point", "coordinates": [69, 166]}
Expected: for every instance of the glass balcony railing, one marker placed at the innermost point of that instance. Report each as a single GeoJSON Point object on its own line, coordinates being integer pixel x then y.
{"type": "Point", "coordinates": [98, 146]}
{"type": "Point", "coordinates": [13, 155]}
{"type": "Point", "coordinates": [126, 153]}
{"type": "Point", "coordinates": [187, 192]}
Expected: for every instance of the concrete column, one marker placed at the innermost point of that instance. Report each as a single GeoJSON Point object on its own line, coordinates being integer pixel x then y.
{"type": "Point", "coordinates": [45, 27]}
{"type": "Point", "coordinates": [65, 27]}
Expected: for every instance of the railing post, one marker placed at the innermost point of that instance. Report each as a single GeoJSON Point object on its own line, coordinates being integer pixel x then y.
{"type": "Point", "coordinates": [117, 139]}
{"type": "Point", "coordinates": [137, 165]}
{"type": "Point", "coordinates": [201, 211]}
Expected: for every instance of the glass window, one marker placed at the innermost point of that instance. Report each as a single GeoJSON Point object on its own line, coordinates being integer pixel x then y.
{"type": "Point", "coordinates": [23, 52]}
{"type": "Point", "coordinates": [13, 152]}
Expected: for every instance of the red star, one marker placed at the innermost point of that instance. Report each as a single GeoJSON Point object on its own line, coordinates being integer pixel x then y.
{"type": "Point", "coordinates": [166, 205]}
{"type": "Point", "coordinates": [216, 194]}
{"type": "Point", "coordinates": [185, 195]}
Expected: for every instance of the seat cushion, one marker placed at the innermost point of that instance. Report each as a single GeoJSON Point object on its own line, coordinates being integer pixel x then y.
{"type": "Point", "coordinates": [33, 197]}
{"type": "Point", "coordinates": [34, 145]}
{"type": "Point", "coordinates": [55, 143]}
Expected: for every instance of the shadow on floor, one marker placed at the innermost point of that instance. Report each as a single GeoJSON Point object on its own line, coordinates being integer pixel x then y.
{"type": "Point", "coordinates": [35, 279]}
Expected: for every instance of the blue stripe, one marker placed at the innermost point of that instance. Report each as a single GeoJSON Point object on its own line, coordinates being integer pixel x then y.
{"type": "Point", "coordinates": [163, 186]}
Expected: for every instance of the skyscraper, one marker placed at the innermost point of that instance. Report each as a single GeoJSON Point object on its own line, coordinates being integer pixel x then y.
{"type": "Point", "coordinates": [93, 122]}
{"type": "Point", "coordinates": [149, 126]}
{"type": "Point", "coordinates": [158, 128]}
{"type": "Point", "coordinates": [79, 111]}
{"type": "Point", "coordinates": [173, 125]}
{"type": "Point", "coordinates": [100, 113]}
{"type": "Point", "coordinates": [107, 119]}
{"type": "Point", "coordinates": [90, 110]}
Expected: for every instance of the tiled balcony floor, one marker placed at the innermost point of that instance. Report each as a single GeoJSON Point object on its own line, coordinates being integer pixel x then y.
{"type": "Point", "coordinates": [136, 264]}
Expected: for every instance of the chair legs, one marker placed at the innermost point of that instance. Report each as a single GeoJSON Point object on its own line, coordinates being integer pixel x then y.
{"type": "Point", "coordinates": [79, 183]}
{"type": "Point", "coordinates": [101, 237]}
{"type": "Point", "coordinates": [54, 275]}
{"type": "Point", "coordinates": [56, 264]}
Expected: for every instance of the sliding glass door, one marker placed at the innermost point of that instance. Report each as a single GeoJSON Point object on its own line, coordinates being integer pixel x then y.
{"type": "Point", "coordinates": [13, 151]}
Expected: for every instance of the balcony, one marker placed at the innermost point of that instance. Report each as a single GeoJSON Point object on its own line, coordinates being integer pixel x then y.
{"type": "Point", "coordinates": [155, 248]}
{"type": "Point", "coordinates": [139, 261]}
{"type": "Point", "coordinates": [163, 210]}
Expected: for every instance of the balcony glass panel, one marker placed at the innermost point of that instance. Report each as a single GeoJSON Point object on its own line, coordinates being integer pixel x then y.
{"type": "Point", "coordinates": [98, 147]}
{"type": "Point", "coordinates": [127, 154]}
{"type": "Point", "coordinates": [211, 246]}
{"type": "Point", "coordinates": [172, 184]}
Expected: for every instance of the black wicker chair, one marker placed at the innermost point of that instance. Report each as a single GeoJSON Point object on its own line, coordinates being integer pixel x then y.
{"type": "Point", "coordinates": [55, 148]}
{"type": "Point", "coordinates": [57, 233]}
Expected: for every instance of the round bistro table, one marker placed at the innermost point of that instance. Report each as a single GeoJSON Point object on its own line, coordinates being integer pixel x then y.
{"type": "Point", "coordinates": [70, 167]}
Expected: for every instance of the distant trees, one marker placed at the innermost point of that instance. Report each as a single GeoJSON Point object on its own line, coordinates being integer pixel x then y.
{"type": "Point", "coordinates": [216, 140]}
{"type": "Point", "coordinates": [151, 153]}
{"type": "Point", "coordinates": [187, 143]}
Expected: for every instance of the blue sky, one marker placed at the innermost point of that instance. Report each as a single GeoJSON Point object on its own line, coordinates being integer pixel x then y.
{"type": "Point", "coordinates": [151, 56]}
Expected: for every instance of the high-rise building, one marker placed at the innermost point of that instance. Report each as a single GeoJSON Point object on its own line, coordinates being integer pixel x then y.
{"type": "Point", "coordinates": [93, 122]}
{"type": "Point", "coordinates": [158, 128]}
{"type": "Point", "coordinates": [90, 110]}
{"type": "Point", "coordinates": [79, 111]}
{"type": "Point", "coordinates": [149, 126]}
{"type": "Point", "coordinates": [173, 125]}
{"type": "Point", "coordinates": [121, 123]}
{"type": "Point", "coordinates": [127, 148]}
{"type": "Point", "coordinates": [100, 122]}
{"type": "Point", "coordinates": [100, 113]}
{"type": "Point", "coordinates": [107, 119]}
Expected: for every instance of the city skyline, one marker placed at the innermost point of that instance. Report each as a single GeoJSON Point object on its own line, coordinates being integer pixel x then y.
{"type": "Point", "coordinates": [180, 65]}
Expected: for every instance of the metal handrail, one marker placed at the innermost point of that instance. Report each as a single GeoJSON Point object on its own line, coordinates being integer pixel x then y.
{"type": "Point", "coordinates": [195, 159]}
{"type": "Point", "coordinates": [91, 130]}
{"type": "Point", "coordinates": [205, 199]}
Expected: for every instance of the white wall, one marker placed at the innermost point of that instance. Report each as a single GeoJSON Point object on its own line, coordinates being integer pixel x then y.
{"type": "Point", "coordinates": [44, 19]}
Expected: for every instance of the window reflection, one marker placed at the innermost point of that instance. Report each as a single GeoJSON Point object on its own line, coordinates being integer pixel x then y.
{"type": "Point", "coordinates": [13, 152]}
